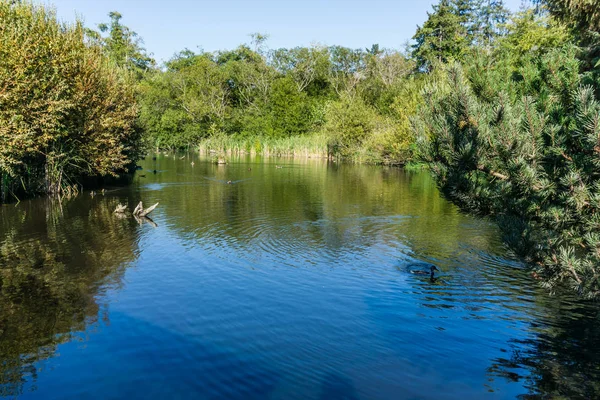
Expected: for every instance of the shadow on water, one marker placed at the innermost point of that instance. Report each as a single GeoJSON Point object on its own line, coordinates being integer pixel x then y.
{"type": "Point", "coordinates": [54, 262]}
{"type": "Point", "coordinates": [561, 358]}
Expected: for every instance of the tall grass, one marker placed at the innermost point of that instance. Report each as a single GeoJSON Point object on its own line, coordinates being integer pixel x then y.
{"type": "Point", "coordinates": [314, 145]}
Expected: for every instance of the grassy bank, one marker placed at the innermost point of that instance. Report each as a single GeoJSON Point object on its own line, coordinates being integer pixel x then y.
{"type": "Point", "coordinates": [314, 146]}
{"type": "Point", "coordinates": [309, 146]}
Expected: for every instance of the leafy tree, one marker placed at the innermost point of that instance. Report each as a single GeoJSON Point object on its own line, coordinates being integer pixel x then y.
{"type": "Point", "coordinates": [349, 122]}
{"type": "Point", "coordinates": [307, 65]}
{"type": "Point", "coordinates": [65, 113]}
{"type": "Point", "coordinates": [533, 34]}
{"type": "Point", "coordinates": [122, 45]}
{"type": "Point", "coordinates": [345, 68]}
{"type": "Point", "coordinates": [289, 108]}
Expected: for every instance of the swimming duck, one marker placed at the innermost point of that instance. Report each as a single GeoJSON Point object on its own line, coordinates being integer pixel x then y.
{"type": "Point", "coordinates": [249, 169]}
{"type": "Point", "coordinates": [192, 163]}
{"type": "Point", "coordinates": [421, 272]}
{"type": "Point", "coordinates": [278, 166]}
{"type": "Point", "coordinates": [229, 182]}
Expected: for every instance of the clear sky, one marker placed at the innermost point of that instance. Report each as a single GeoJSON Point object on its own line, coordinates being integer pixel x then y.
{"type": "Point", "coordinates": [168, 26]}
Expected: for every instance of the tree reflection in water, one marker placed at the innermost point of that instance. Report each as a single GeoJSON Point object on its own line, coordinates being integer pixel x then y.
{"type": "Point", "coordinates": [55, 261]}
{"type": "Point", "coordinates": [560, 360]}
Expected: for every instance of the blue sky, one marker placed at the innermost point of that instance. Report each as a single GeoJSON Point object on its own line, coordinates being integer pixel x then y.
{"type": "Point", "coordinates": [170, 26]}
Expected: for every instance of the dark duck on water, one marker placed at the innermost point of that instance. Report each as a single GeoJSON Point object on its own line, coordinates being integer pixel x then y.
{"type": "Point", "coordinates": [431, 272]}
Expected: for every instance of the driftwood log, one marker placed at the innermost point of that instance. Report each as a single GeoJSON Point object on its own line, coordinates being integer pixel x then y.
{"type": "Point", "coordinates": [139, 213]}
{"type": "Point", "coordinates": [139, 210]}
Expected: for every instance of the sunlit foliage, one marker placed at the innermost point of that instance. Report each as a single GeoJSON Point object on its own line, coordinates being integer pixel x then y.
{"type": "Point", "coordinates": [65, 111]}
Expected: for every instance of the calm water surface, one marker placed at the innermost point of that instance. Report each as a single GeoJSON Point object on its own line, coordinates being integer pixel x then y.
{"type": "Point", "coordinates": [287, 283]}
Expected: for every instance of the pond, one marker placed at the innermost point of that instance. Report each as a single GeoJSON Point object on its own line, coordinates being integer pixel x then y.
{"type": "Point", "coordinates": [281, 279]}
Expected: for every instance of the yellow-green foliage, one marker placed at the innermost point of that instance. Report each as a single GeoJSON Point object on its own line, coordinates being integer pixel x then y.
{"type": "Point", "coordinates": [359, 132]}
{"type": "Point", "coordinates": [349, 122]}
{"type": "Point", "coordinates": [530, 33]}
{"type": "Point", "coordinates": [65, 112]}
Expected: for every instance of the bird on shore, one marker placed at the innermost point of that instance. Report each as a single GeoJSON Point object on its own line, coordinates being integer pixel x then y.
{"type": "Point", "coordinates": [431, 272]}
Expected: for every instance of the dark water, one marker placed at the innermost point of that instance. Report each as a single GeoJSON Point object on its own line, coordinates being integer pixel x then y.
{"type": "Point", "coordinates": [287, 283]}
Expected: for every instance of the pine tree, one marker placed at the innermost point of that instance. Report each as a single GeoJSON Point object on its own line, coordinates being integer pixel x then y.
{"type": "Point", "coordinates": [467, 11]}
{"type": "Point", "coordinates": [490, 17]}
{"type": "Point", "coordinates": [583, 18]}
{"type": "Point", "coordinates": [527, 154]}
{"type": "Point", "coordinates": [442, 37]}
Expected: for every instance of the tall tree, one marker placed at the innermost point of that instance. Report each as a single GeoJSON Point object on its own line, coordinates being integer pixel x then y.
{"type": "Point", "coordinates": [583, 18]}
{"type": "Point", "coordinates": [122, 45]}
{"type": "Point", "coordinates": [482, 19]}
{"type": "Point", "coordinates": [443, 37]}
{"type": "Point", "coordinates": [584, 14]}
{"type": "Point", "coordinates": [490, 17]}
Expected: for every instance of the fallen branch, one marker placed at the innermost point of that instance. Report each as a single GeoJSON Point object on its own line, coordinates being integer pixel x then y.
{"type": "Point", "coordinates": [138, 208]}
{"type": "Point", "coordinates": [148, 210]}
{"type": "Point", "coordinates": [141, 212]}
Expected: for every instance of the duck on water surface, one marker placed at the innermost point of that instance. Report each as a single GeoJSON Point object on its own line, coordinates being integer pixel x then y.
{"type": "Point", "coordinates": [431, 272]}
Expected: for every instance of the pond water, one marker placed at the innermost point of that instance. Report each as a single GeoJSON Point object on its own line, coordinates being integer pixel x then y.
{"type": "Point", "coordinates": [293, 281]}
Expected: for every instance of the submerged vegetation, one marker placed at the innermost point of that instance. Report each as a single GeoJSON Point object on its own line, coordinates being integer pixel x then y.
{"type": "Point", "coordinates": [503, 108]}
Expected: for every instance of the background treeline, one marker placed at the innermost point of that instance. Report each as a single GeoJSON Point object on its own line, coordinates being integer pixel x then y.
{"type": "Point", "coordinates": [66, 110]}
{"type": "Point", "coordinates": [355, 101]}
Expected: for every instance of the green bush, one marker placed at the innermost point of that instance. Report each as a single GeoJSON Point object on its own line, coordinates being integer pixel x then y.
{"type": "Point", "coordinates": [65, 111]}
